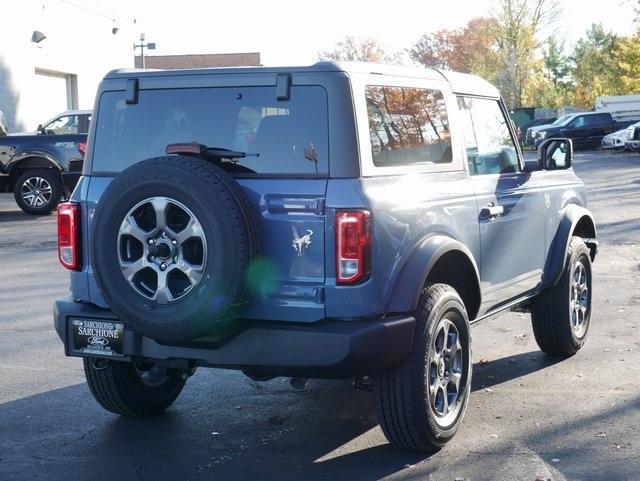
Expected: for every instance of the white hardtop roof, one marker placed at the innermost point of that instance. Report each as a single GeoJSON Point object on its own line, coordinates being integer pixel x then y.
{"type": "Point", "coordinates": [460, 83]}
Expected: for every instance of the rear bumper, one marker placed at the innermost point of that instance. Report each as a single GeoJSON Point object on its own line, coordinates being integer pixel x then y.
{"type": "Point", "coordinates": [327, 349]}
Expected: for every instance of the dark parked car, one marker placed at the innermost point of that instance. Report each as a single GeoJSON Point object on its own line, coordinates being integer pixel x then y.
{"type": "Point", "coordinates": [40, 169]}
{"type": "Point", "coordinates": [584, 129]}
{"type": "Point", "coordinates": [522, 130]}
{"type": "Point", "coordinates": [332, 221]}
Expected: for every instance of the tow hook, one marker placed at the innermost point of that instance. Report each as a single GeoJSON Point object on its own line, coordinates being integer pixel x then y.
{"type": "Point", "coordinates": [364, 383]}
{"type": "Point", "coordinates": [298, 383]}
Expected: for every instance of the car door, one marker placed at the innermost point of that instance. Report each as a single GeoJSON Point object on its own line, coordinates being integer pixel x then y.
{"type": "Point", "coordinates": [510, 204]}
{"type": "Point", "coordinates": [599, 126]}
{"type": "Point", "coordinates": [577, 130]}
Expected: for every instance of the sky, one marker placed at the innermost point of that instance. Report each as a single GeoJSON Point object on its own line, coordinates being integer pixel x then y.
{"type": "Point", "coordinates": [293, 32]}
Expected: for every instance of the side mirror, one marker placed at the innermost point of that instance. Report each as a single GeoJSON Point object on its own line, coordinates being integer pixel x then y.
{"type": "Point", "coordinates": [555, 154]}
{"type": "Point", "coordinates": [41, 130]}
{"type": "Point", "coordinates": [532, 165]}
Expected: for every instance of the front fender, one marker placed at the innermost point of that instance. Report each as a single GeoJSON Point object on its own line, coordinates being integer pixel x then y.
{"type": "Point", "coordinates": [416, 270]}
{"type": "Point", "coordinates": [49, 159]}
{"type": "Point", "coordinates": [576, 219]}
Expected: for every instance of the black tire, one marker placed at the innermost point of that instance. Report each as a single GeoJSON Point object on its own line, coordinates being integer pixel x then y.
{"type": "Point", "coordinates": [405, 409]}
{"type": "Point", "coordinates": [118, 387]}
{"type": "Point", "coordinates": [551, 313]}
{"type": "Point", "coordinates": [230, 227]}
{"type": "Point", "coordinates": [25, 183]}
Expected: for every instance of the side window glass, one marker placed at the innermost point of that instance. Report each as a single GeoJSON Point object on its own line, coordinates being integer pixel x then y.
{"type": "Point", "coordinates": [578, 122]}
{"type": "Point", "coordinates": [67, 124]}
{"type": "Point", "coordinates": [490, 147]}
{"type": "Point", "coordinates": [408, 126]}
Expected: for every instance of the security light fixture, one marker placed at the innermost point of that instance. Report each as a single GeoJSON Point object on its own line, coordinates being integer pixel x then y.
{"type": "Point", "coordinates": [142, 46]}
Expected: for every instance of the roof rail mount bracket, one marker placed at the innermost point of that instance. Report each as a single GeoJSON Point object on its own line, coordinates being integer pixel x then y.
{"type": "Point", "coordinates": [132, 91]}
{"type": "Point", "coordinates": [283, 86]}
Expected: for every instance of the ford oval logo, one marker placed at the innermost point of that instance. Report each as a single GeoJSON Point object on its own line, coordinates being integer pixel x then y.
{"type": "Point", "coordinates": [97, 341]}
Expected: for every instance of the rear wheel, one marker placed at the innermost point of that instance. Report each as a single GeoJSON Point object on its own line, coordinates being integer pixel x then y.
{"type": "Point", "coordinates": [561, 315]}
{"type": "Point", "coordinates": [132, 389]}
{"type": "Point", "coordinates": [38, 191]}
{"type": "Point", "coordinates": [421, 402]}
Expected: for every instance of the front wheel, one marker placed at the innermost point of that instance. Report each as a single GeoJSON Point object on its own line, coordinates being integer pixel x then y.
{"type": "Point", "coordinates": [421, 402]}
{"type": "Point", "coordinates": [132, 389]}
{"type": "Point", "coordinates": [38, 191]}
{"type": "Point", "coordinates": [561, 315]}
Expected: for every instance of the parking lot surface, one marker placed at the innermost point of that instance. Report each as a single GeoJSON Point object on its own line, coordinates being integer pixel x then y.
{"type": "Point", "coordinates": [530, 416]}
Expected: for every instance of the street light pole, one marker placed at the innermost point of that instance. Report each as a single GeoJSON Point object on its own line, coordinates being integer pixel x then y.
{"type": "Point", "coordinates": [142, 45]}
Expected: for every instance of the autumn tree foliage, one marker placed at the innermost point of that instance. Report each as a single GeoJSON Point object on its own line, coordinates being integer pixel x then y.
{"type": "Point", "coordinates": [516, 48]}
{"type": "Point", "coordinates": [355, 49]}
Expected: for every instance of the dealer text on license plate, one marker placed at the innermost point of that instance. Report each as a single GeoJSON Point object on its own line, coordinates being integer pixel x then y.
{"type": "Point", "coordinates": [97, 336]}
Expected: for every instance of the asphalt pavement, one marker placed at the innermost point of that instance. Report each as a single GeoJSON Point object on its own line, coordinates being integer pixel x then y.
{"type": "Point", "coordinates": [530, 416]}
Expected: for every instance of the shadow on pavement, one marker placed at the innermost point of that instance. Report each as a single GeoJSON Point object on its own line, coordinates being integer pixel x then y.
{"type": "Point", "coordinates": [223, 426]}
{"type": "Point", "coordinates": [491, 373]}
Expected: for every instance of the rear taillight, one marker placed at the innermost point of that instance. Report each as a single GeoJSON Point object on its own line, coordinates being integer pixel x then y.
{"type": "Point", "coordinates": [82, 148]}
{"type": "Point", "coordinates": [69, 235]}
{"type": "Point", "coordinates": [353, 246]}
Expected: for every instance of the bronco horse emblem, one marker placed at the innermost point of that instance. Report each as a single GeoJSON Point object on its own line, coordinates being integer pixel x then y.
{"type": "Point", "coordinates": [299, 244]}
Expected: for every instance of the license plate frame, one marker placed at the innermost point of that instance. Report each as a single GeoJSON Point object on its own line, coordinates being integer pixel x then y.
{"type": "Point", "coordinates": [98, 337]}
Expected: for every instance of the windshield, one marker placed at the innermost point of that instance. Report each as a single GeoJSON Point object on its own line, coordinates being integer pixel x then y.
{"type": "Point", "coordinates": [290, 136]}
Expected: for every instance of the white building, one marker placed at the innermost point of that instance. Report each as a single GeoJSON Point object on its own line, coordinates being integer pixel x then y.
{"type": "Point", "coordinates": [84, 40]}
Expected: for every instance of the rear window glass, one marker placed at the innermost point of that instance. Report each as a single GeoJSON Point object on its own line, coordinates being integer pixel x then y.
{"type": "Point", "coordinates": [408, 126]}
{"type": "Point", "coordinates": [289, 136]}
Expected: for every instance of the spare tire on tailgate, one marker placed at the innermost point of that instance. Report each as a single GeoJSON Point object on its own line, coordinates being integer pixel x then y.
{"type": "Point", "coordinates": [173, 241]}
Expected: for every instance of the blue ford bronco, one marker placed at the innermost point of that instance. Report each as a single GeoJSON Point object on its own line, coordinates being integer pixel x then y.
{"type": "Point", "coordinates": [331, 221]}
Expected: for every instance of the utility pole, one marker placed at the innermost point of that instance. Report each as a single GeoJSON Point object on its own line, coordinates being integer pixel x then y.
{"type": "Point", "coordinates": [142, 45]}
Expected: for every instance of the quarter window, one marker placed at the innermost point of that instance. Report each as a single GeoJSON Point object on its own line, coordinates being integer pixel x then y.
{"type": "Point", "coordinates": [408, 126]}
{"type": "Point", "coordinates": [489, 144]}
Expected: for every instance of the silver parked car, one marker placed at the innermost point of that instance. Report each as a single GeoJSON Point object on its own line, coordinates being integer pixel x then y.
{"type": "Point", "coordinates": [618, 139]}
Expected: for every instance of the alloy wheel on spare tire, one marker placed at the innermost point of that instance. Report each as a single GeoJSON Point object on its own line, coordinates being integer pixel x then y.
{"type": "Point", "coordinates": [173, 242]}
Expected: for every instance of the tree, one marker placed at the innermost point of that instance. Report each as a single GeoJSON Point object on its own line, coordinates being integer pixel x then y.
{"type": "Point", "coordinates": [469, 49]}
{"type": "Point", "coordinates": [556, 63]}
{"type": "Point", "coordinates": [356, 49]}
{"type": "Point", "coordinates": [595, 69]}
{"type": "Point", "coordinates": [517, 24]}
{"type": "Point", "coordinates": [627, 56]}
{"type": "Point", "coordinates": [436, 50]}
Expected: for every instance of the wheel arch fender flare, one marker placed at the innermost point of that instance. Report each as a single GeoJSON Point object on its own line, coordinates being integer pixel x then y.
{"type": "Point", "coordinates": [419, 266]}
{"type": "Point", "coordinates": [33, 158]}
{"type": "Point", "coordinates": [576, 220]}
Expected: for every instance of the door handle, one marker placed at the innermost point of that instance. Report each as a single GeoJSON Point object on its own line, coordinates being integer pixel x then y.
{"type": "Point", "coordinates": [491, 211]}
